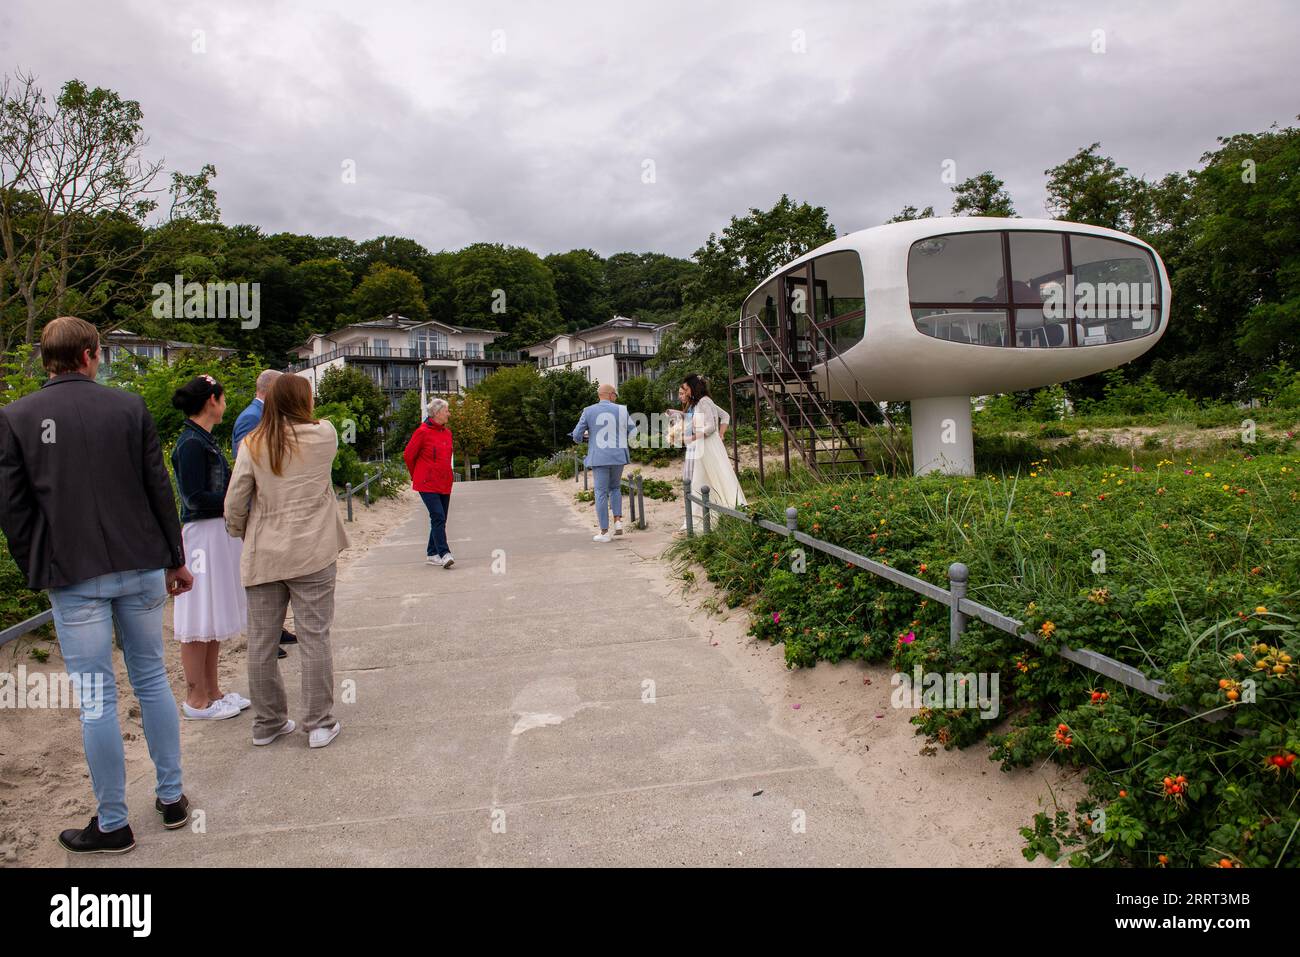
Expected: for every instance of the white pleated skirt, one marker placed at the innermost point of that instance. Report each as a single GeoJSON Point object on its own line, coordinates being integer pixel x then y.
{"type": "Point", "coordinates": [216, 608]}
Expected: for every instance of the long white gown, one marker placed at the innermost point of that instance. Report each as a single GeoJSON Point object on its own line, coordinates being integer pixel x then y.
{"type": "Point", "coordinates": [707, 462]}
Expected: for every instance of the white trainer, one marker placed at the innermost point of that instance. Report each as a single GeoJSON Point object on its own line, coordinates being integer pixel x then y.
{"type": "Point", "coordinates": [433, 560]}
{"type": "Point", "coordinates": [238, 700]}
{"type": "Point", "coordinates": [219, 710]}
{"type": "Point", "coordinates": [602, 537]}
{"type": "Point", "coordinates": [618, 527]}
{"type": "Point", "coordinates": [448, 561]}
{"type": "Point", "coordinates": [287, 728]}
{"type": "Point", "coordinates": [323, 736]}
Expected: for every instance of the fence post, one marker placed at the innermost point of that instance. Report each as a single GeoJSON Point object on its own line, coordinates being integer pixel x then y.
{"type": "Point", "coordinates": [575, 466]}
{"type": "Point", "coordinates": [704, 494]}
{"type": "Point", "coordinates": [958, 575]}
{"type": "Point", "coordinates": [347, 494]}
{"type": "Point", "coordinates": [640, 499]}
{"type": "Point", "coordinates": [690, 520]}
{"type": "Point", "coordinates": [631, 498]}
{"type": "Point", "coordinates": [792, 518]}
{"type": "Point", "coordinates": [584, 478]}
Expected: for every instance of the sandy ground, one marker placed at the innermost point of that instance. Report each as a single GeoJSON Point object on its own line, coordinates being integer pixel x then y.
{"type": "Point", "coordinates": [955, 808]}
{"type": "Point", "coordinates": [44, 783]}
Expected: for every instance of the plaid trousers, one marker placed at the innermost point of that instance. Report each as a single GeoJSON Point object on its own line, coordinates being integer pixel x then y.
{"type": "Point", "coordinates": [313, 607]}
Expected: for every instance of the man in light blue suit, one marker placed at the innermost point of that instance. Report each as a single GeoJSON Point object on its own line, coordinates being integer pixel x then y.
{"type": "Point", "coordinates": [251, 417]}
{"type": "Point", "coordinates": [607, 429]}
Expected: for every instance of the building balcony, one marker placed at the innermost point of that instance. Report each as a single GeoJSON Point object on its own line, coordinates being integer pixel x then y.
{"type": "Point", "coordinates": [618, 349]}
{"type": "Point", "coordinates": [405, 354]}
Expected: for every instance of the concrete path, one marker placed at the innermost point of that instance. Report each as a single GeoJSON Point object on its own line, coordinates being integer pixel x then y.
{"type": "Point", "coordinates": [551, 710]}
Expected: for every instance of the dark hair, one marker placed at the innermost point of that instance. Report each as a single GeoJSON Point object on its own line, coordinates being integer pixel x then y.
{"type": "Point", "coordinates": [65, 342]}
{"type": "Point", "coordinates": [194, 395]}
{"type": "Point", "coordinates": [698, 386]}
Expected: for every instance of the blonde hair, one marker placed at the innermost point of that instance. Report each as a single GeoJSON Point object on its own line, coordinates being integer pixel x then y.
{"type": "Point", "coordinates": [289, 403]}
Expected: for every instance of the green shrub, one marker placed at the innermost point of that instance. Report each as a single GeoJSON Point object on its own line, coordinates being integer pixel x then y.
{"type": "Point", "coordinates": [521, 466]}
{"type": "Point", "coordinates": [1196, 588]}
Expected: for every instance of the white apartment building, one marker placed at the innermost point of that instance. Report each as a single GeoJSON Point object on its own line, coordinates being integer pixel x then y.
{"type": "Point", "coordinates": [613, 351]}
{"type": "Point", "coordinates": [402, 355]}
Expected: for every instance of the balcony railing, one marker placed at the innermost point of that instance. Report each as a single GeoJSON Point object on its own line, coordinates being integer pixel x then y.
{"type": "Point", "coordinates": [400, 352]}
{"type": "Point", "coordinates": [613, 349]}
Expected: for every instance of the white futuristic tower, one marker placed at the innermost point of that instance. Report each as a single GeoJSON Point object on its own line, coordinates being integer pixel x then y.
{"type": "Point", "coordinates": [935, 311]}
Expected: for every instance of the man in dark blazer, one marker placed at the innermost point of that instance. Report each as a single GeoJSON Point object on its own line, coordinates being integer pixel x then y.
{"type": "Point", "coordinates": [86, 506]}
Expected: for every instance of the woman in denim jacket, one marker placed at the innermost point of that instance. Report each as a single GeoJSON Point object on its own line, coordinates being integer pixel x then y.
{"type": "Point", "coordinates": [215, 609]}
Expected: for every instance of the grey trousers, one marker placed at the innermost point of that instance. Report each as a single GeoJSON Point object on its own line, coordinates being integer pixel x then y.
{"type": "Point", "coordinates": [313, 605]}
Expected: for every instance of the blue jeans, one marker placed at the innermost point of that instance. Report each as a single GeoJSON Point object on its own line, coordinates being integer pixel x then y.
{"type": "Point", "coordinates": [437, 503]}
{"type": "Point", "coordinates": [84, 616]}
{"type": "Point", "coordinates": [608, 484]}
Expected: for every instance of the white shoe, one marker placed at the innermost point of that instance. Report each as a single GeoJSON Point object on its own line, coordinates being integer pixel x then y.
{"type": "Point", "coordinates": [217, 711]}
{"type": "Point", "coordinates": [602, 537]}
{"type": "Point", "coordinates": [618, 528]}
{"type": "Point", "coordinates": [433, 560]}
{"type": "Point", "coordinates": [238, 700]}
{"type": "Point", "coordinates": [323, 736]}
{"type": "Point", "coordinates": [447, 560]}
{"type": "Point", "coordinates": [287, 728]}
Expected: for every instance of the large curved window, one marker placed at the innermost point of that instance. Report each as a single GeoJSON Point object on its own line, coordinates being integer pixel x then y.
{"type": "Point", "coordinates": [1032, 289]}
{"type": "Point", "coordinates": [805, 315]}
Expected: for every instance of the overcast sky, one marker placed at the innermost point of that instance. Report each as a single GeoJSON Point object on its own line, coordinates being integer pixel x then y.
{"type": "Point", "coordinates": [532, 123]}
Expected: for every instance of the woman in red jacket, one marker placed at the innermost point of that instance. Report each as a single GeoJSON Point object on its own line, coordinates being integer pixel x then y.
{"type": "Point", "coordinates": [428, 460]}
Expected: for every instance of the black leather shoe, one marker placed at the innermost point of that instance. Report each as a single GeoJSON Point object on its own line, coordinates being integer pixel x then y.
{"type": "Point", "coordinates": [281, 653]}
{"type": "Point", "coordinates": [173, 815]}
{"type": "Point", "coordinates": [92, 840]}
{"type": "Point", "coordinates": [288, 637]}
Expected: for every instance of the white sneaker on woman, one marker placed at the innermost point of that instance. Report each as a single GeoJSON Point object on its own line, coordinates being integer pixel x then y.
{"type": "Point", "coordinates": [602, 537]}
{"type": "Point", "coordinates": [323, 736]}
{"type": "Point", "coordinates": [287, 728]}
{"type": "Point", "coordinates": [238, 700]}
{"type": "Point", "coordinates": [618, 527]}
{"type": "Point", "coordinates": [448, 561]}
{"type": "Point", "coordinates": [217, 711]}
{"type": "Point", "coordinates": [433, 560]}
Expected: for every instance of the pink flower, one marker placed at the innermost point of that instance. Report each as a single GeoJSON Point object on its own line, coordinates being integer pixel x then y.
{"type": "Point", "coordinates": [776, 618]}
{"type": "Point", "coordinates": [908, 638]}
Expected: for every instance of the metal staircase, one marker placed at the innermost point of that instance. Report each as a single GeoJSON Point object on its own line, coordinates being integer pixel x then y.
{"type": "Point", "coordinates": [827, 435]}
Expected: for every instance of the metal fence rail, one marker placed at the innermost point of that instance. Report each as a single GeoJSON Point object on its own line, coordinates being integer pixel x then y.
{"type": "Point", "coordinates": [960, 607]}
{"type": "Point", "coordinates": [23, 627]}
{"type": "Point", "coordinates": [349, 491]}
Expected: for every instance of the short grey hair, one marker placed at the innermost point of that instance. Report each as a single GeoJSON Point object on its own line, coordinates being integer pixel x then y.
{"type": "Point", "coordinates": [266, 380]}
{"type": "Point", "coordinates": [436, 406]}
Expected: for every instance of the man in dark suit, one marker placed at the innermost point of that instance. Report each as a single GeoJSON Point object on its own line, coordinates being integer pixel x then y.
{"type": "Point", "coordinates": [86, 505]}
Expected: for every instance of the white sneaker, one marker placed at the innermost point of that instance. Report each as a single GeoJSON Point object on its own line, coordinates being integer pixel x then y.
{"type": "Point", "coordinates": [433, 560]}
{"type": "Point", "coordinates": [323, 736]}
{"type": "Point", "coordinates": [448, 561]}
{"type": "Point", "coordinates": [238, 700]}
{"type": "Point", "coordinates": [602, 537]}
{"type": "Point", "coordinates": [287, 728]}
{"type": "Point", "coordinates": [217, 711]}
{"type": "Point", "coordinates": [618, 528]}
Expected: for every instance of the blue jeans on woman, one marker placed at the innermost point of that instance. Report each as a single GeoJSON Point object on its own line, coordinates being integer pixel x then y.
{"type": "Point", "coordinates": [84, 616]}
{"type": "Point", "coordinates": [437, 503]}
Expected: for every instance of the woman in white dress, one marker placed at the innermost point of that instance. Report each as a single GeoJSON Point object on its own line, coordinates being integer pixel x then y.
{"type": "Point", "coordinates": [704, 425]}
{"type": "Point", "coordinates": [216, 607]}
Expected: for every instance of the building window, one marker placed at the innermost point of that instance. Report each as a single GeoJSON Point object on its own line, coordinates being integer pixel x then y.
{"type": "Point", "coordinates": [438, 380]}
{"type": "Point", "coordinates": [473, 350]}
{"type": "Point", "coordinates": [428, 342]}
{"type": "Point", "coordinates": [1032, 289]}
{"type": "Point", "coordinates": [476, 374]}
{"type": "Point", "coordinates": [629, 369]}
{"type": "Point", "coordinates": [381, 347]}
{"type": "Point", "coordinates": [633, 345]}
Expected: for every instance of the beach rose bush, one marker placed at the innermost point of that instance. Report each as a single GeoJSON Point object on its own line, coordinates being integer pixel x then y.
{"type": "Point", "coordinates": [1187, 570]}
